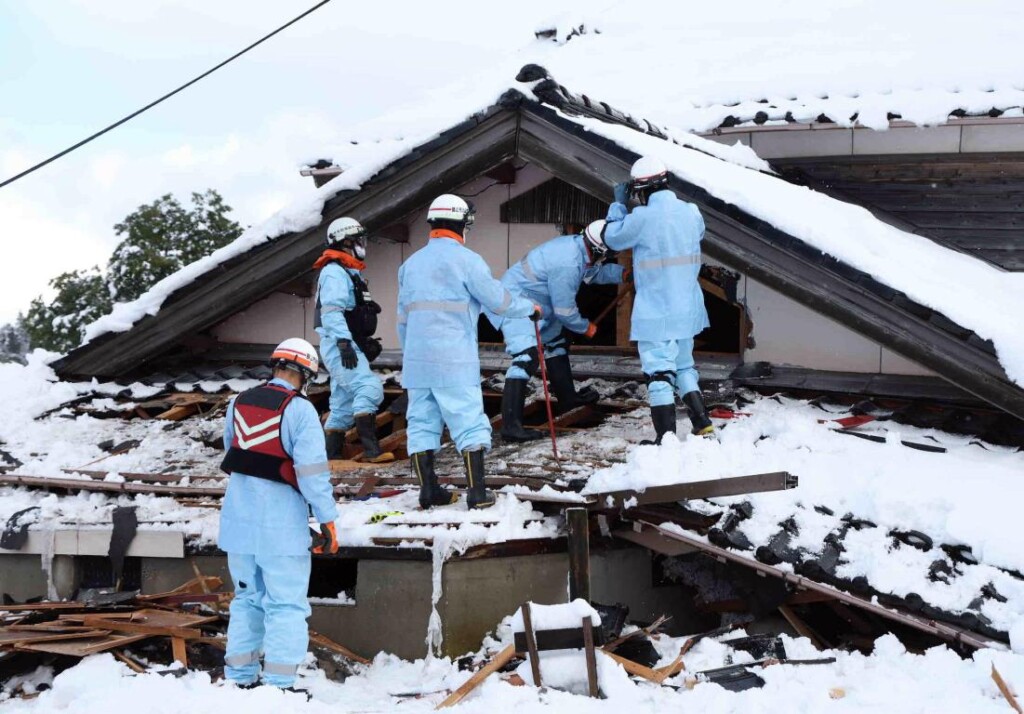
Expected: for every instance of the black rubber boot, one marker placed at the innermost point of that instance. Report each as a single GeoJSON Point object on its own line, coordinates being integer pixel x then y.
{"type": "Point", "coordinates": [335, 439]}
{"type": "Point", "coordinates": [664, 418]}
{"type": "Point", "coordinates": [366, 427]}
{"type": "Point", "coordinates": [431, 492]}
{"type": "Point", "coordinates": [702, 425]}
{"type": "Point", "coordinates": [479, 496]}
{"type": "Point", "coordinates": [560, 379]}
{"type": "Point", "coordinates": [513, 397]}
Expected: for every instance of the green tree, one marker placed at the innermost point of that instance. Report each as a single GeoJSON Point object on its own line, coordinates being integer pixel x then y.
{"type": "Point", "coordinates": [14, 343]}
{"type": "Point", "coordinates": [162, 237]}
{"type": "Point", "coordinates": [157, 239]}
{"type": "Point", "coordinates": [82, 296]}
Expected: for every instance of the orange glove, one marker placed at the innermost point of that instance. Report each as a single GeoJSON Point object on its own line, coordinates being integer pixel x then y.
{"type": "Point", "coordinates": [537, 313]}
{"type": "Point", "coordinates": [591, 331]}
{"type": "Point", "coordinates": [326, 541]}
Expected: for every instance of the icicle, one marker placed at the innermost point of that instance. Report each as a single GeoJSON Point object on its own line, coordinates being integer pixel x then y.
{"type": "Point", "coordinates": [441, 549]}
{"type": "Point", "coordinates": [46, 560]}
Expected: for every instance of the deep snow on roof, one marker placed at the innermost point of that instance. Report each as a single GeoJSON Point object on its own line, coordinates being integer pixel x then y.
{"type": "Point", "coordinates": [962, 288]}
{"type": "Point", "coordinates": [692, 65]}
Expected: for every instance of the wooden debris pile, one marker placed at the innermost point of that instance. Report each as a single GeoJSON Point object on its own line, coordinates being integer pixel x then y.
{"type": "Point", "coordinates": [185, 627]}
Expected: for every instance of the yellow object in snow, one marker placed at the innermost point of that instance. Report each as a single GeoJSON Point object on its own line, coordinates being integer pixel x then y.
{"type": "Point", "coordinates": [378, 517]}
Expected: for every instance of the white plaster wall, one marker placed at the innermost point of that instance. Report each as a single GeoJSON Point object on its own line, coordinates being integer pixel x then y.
{"type": "Point", "coordinates": [270, 320]}
{"type": "Point", "coordinates": [789, 333]}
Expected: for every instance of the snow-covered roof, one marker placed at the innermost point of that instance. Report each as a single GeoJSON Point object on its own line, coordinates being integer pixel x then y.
{"type": "Point", "coordinates": [698, 66]}
{"type": "Point", "coordinates": [959, 287]}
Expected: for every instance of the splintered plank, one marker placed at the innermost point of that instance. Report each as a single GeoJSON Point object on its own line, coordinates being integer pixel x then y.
{"type": "Point", "coordinates": [178, 650]}
{"type": "Point", "coordinates": [58, 484]}
{"type": "Point", "coordinates": [169, 623]}
{"type": "Point", "coordinates": [499, 661]}
{"type": "Point", "coordinates": [132, 664]}
{"type": "Point", "coordinates": [82, 647]}
{"type": "Point", "coordinates": [1004, 689]}
{"type": "Point", "coordinates": [328, 644]}
{"type": "Point", "coordinates": [15, 638]}
{"type": "Point", "coordinates": [198, 585]}
{"type": "Point", "coordinates": [634, 668]}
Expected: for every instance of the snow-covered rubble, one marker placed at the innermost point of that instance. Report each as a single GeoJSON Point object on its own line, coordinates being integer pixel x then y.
{"type": "Point", "coordinates": [890, 679]}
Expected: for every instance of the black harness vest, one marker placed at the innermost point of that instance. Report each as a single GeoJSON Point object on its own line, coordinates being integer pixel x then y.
{"type": "Point", "coordinates": [361, 319]}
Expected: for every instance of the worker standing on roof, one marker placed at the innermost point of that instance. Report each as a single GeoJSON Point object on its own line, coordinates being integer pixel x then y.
{"type": "Point", "coordinates": [440, 290]}
{"type": "Point", "coordinates": [668, 311]}
{"type": "Point", "coordinates": [346, 318]}
{"type": "Point", "coordinates": [550, 275]}
{"type": "Point", "coordinates": [279, 472]}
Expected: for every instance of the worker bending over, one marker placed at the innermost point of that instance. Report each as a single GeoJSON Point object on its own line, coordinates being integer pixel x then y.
{"type": "Point", "coordinates": [550, 275]}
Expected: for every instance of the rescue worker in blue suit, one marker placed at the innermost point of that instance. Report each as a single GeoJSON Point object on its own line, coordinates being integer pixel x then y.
{"type": "Point", "coordinates": [279, 471]}
{"type": "Point", "coordinates": [441, 288]}
{"type": "Point", "coordinates": [346, 318]}
{"type": "Point", "coordinates": [550, 275]}
{"type": "Point", "coordinates": [668, 311]}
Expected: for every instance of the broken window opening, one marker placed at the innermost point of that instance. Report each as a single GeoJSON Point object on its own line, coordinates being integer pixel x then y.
{"type": "Point", "coordinates": [330, 577]}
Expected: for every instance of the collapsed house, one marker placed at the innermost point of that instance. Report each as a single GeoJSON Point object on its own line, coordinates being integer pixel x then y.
{"type": "Point", "coordinates": [847, 312]}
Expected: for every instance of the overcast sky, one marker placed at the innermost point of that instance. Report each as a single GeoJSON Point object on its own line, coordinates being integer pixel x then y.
{"type": "Point", "coordinates": [70, 67]}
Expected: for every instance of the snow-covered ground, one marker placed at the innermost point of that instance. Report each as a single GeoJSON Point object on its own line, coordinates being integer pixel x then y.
{"type": "Point", "coordinates": [889, 680]}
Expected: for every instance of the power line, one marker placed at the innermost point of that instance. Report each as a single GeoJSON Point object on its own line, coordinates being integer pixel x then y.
{"type": "Point", "coordinates": [188, 84]}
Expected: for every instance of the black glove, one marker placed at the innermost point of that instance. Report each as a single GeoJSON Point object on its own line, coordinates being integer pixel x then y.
{"type": "Point", "coordinates": [349, 358]}
{"type": "Point", "coordinates": [537, 313]}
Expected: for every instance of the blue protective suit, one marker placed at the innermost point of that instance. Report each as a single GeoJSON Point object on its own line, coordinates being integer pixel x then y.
{"type": "Point", "coordinates": [353, 391]}
{"type": "Point", "coordinates": [265, 532]}
{"type": "Point", "coordinates": [668, 309]}
{"type": "Point", "coordinates": [441, 288]}
{"type": "Point", "coordinates": [550, 275]}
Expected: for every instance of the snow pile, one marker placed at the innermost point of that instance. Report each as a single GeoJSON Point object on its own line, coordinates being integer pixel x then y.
{"type": "Point", "coordinates": [556, 617]}
{"type": "Point", "coordinates": [33, 388]}
{"type": "Point", "coordinates": [968, 495]}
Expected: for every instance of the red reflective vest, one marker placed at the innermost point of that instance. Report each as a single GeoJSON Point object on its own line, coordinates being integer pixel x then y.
{"type": "Point", "coordinates": [256, 448]}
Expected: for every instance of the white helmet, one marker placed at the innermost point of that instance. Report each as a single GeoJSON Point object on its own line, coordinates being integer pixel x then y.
{"type": "Point", "coordinates": [594, 235]}
{"type": "Point", "coordinates": [647, 169]}
{"type": "Point", "coordinates": [348, 234]}
{"type": "Point", "coordinates": [449, 207]}
{"type": "Point", "coordinates": [298, 355]}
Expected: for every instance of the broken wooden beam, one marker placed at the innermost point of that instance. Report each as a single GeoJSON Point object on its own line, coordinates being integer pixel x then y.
{"type": "Point", "coordinates": [327, 643]}
{"type": "Point", "coordinates": [578, 535]}
{"type": "Point", "coordinates": [499, 661]}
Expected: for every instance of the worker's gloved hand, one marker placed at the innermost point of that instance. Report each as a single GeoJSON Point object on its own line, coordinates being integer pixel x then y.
{"type": "Point", "coordinates": [537, 313]}
{"type": "Point", "coordinates": [590, 331]}
{"type": "Point", "coordinates": [327, 541]}
{"type": "Point", "coordinates": [349, 358]}
{"type": "Point", "coordinates": [621, 192]}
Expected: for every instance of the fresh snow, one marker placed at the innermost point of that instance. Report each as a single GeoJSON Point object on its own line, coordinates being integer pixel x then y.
{"type": "Point", "coordinates": [969, 495]}
{"type": "Point", "coordinates": [565, 616]}
{"type": "Point", "coordinates": [889, 680]}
